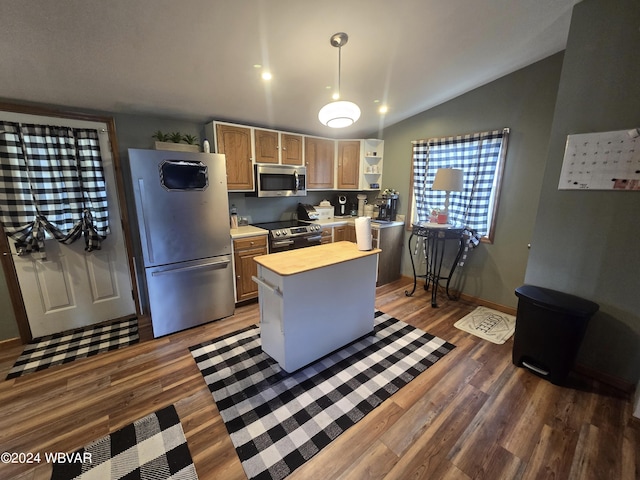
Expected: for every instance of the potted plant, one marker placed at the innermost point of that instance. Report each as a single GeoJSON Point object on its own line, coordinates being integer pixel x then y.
{"type": "Point", "coordinates": [173, 141]}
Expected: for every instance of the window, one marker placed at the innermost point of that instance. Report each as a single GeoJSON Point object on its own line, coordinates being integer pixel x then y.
{"type": "Point", "coordinates": [51, 182]}
{"type": "Point", "coordinates": [481, 157]}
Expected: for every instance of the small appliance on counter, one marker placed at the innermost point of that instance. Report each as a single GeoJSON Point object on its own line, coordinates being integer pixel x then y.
{"type": "Point", "coordinates": [325, 210]}
{"type": "Point", "coordinates": [388, 207]}
{"type": "Point", "coordinates": [341, 209]}
{"type": "Point", "coordinates": [307, 212]}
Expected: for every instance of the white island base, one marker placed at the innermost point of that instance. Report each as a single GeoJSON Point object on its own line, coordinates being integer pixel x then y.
{"type": "Point", "coordinates": [315, 300]}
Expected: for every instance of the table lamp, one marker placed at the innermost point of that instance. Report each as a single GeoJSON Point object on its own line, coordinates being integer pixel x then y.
{"type": "Point", "coordinates": [449, 180]}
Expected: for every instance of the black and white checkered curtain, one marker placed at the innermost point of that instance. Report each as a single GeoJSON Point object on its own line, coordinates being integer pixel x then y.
{"type": "Point", "coordinates": [51, 179]}
{"type": "Point", "coordinates": [477, 155]}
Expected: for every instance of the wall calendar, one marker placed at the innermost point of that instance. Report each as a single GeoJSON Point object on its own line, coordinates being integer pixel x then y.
{"type": "Point", "coordinates": [602, 161]}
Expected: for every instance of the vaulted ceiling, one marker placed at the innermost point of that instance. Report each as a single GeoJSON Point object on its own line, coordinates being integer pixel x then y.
{"type": "Point", "coordinates": [198, 59]}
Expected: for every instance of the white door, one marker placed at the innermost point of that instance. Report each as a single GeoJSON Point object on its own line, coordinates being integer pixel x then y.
{"type": "Point", "coordinates": [72, 288]}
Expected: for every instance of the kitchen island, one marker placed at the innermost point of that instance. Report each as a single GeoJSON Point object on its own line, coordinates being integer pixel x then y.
{"type": "Point", "coordinates": [315, 300]}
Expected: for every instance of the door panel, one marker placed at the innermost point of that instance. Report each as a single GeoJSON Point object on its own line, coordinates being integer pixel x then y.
{"type": "Point", "coordinates": [102, 278]}
{"type": "Point", "coordinates": [71, 288]}
{"type": "Point", "coordinates": [54, 286]}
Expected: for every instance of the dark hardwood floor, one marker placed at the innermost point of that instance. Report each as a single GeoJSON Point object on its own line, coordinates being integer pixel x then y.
{"type": "Point", "coordinates": [473, 415]}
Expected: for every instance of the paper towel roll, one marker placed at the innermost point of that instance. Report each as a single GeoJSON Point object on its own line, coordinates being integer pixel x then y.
{"type": "Point", "coordinates": [363, 233]}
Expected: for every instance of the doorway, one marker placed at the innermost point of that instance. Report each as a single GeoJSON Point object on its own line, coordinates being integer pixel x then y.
{"type": "Point", "coordinates": [70, 287]}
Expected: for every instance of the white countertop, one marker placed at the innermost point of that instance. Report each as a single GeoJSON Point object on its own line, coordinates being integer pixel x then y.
{"type": "Point", "coordinates": [250, 230]}
{"type": "Point", "coordinates": [247, 231]}
{"type": "Point", "coordinates": [336, 221]}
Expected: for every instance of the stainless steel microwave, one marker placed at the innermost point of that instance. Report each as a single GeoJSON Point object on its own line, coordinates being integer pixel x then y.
{"type": "Point", "coordinates": [281, 180]}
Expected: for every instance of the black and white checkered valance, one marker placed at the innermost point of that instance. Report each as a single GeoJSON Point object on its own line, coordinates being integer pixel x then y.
{"type": "Point", "coordinates": [477, 154]}
{"type": "Point", "coordinates": [51, 179]}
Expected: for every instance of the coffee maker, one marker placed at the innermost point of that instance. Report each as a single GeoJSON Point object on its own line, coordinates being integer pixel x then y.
{"type": "Point", "coordinates": [341, 206]}
{"type": "Point", "coordinates": [387, 207]}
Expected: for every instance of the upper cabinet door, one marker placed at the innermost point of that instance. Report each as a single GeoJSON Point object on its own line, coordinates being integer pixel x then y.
{"type": "Point", "coordinates": [348, 164]}
{"type": "Point", "coordinates": [266, 146]}
{"type": "Point", "coordinates": [235, 143]}
{"type": "Point", "coordinates": [291, 151]}
{"type": "Point", "coordinates": [319, 156]}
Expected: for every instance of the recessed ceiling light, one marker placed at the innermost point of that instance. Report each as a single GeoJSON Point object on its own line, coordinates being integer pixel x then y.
{"type": "Point", "coordinates": [257, 65]}
{"type": "Point", "coordinates": [266, 75]}
{"type": "Point", "coordinates": [383, 109]}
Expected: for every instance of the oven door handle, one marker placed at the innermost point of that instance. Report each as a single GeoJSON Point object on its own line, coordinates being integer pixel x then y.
{"type": "Point", "coordinates": [315, 238]}
{"type": "Point", "coordinates": [282, 243]}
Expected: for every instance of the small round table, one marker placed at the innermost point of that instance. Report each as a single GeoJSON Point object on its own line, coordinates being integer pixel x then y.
{"type": "Point", "coordinates": [434, 236]}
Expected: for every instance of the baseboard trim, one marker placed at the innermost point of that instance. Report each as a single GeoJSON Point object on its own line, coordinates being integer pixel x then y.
{"type": "Point", "coordinates": [488, 304]}
{"type": "Point", "coordinates": [11, 342]}
{"type": "Point", "coordinates": [608, 379]}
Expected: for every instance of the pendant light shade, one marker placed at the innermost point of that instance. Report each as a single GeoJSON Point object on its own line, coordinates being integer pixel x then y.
{"type": "Point", "coordinates": [341, 113]}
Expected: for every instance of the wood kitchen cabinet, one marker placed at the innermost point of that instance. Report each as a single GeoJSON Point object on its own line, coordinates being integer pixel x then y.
{"type": "Point", "coordinates": [291, 151]}
{"type": "Point", "coordinates": [244, 251]}
{"type": "Point", "coordinates": [319, 154]}
{"type": "Point", "coordinates": [348, 164]}
{"type": "Point", "coordinates": [235, 143]}
{"type": "Point", "coordinates": [344, 233]}
{"type": "Point", "coordinates": [277, 147]}
{"type": "Point", "coordinates": [327, 235]}
{"type": "Point", "coordinates": [267, 147]}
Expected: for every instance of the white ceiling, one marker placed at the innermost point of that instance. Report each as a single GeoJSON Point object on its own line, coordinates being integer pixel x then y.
{"type": "Point", "coordinates": [194, 59]}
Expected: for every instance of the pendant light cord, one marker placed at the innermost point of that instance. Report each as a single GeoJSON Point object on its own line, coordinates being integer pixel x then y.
{"type": "Point", "coordinates": [339, 69]}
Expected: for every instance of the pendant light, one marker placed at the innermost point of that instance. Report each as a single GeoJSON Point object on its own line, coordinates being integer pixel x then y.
{"type": "Point", "coordinates": [339, 114]}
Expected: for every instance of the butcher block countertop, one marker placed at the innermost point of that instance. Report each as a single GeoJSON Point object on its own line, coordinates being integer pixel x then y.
{"type": "Point", "coordinates": [311, 258]}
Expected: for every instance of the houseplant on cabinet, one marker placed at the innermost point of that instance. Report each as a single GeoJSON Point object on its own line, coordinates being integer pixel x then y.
{"type": "Point", "coordinates": [172, 141]}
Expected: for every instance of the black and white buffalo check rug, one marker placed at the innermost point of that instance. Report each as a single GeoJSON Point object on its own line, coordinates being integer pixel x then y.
{"type": "Point", "coordinates": [277, 421]}
{"type": "Point", "coordinates": [65, 347]}
{"type": "Point", "coordinates": [152, 448]}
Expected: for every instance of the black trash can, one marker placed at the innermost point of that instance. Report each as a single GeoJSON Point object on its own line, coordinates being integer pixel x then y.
{"type": "Point", "coordinates": [550, 326]}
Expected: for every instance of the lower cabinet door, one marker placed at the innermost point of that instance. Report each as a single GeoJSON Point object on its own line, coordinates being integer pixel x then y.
{"type": "Point", "coordinates": [246, 288]}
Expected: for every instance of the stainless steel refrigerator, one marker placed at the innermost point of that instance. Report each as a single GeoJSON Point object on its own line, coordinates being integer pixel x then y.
{"type": "Point", "coordinates": [182, 215]}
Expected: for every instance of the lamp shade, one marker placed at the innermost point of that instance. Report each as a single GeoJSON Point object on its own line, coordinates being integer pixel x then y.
{"type": "Point", "coordinates": [448, 179]}
{"type": "Point", "coordinates": [339, 114]}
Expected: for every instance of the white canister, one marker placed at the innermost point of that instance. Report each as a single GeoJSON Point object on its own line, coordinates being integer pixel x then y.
{"type": "Point", "coordinates": [362, 201]}
{"type": "Point", "coordinates": [368, 211]}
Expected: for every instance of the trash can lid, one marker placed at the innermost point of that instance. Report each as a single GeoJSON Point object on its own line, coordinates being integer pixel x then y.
{"type": "Point", "coordinates": [558, 301]}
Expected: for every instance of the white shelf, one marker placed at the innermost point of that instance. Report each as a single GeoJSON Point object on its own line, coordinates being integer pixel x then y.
{"type": "Point", "coordinates": [369, 160]}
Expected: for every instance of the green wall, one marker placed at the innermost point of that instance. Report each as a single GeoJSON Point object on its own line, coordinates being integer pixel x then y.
{"type": "Point", "coordinates": [586, 242]}
{"type": "Point", "coordinates": [523, 101]}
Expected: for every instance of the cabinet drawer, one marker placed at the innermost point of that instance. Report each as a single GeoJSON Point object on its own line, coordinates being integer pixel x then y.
{"type": "Point", "coordinates": [249, 242]}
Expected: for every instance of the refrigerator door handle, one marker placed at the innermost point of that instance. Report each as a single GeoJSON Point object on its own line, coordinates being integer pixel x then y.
{"type": "Point", "coordinates": [145, 222]}
{"type": "Point", "coordinates": [211, 265]}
